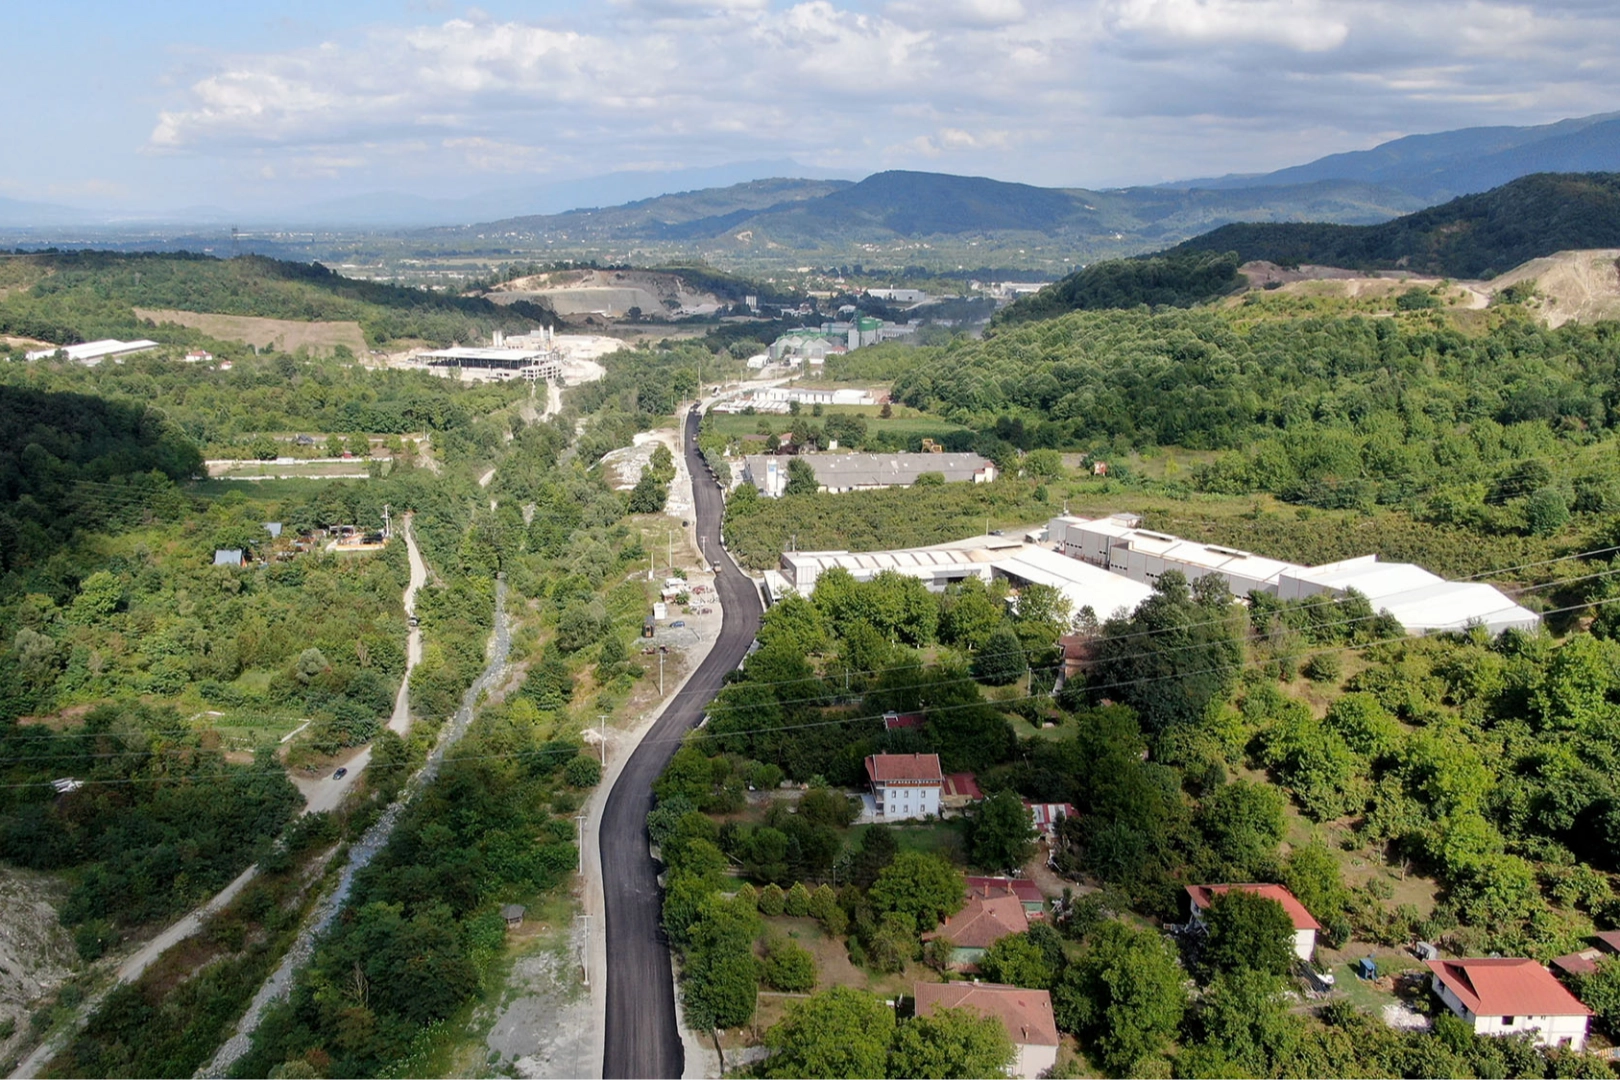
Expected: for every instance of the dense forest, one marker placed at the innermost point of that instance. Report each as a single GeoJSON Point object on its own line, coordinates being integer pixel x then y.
{"type": "Point", "coordinates": [1474, 236]}
{"type": "Point", "coordinates": [1503, 431]}
{"type": "Point", "coordinates": [81, 296]}
{"type": "Point", "coordinates": [1170, 280]}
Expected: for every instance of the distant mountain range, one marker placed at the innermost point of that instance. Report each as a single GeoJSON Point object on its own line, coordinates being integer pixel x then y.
{"type": "Point", "coordinates": [1439, 167]}
{"type": "Point", "coordinates": [732, 214]}
{"type": "Point", "coordinates": [832, 217]}
{"type": "Point", "coordinates": [1473, 236]}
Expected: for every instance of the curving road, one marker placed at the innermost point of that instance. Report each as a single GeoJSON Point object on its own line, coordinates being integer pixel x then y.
{"type": "Point", "coordinates": [640, 1035]}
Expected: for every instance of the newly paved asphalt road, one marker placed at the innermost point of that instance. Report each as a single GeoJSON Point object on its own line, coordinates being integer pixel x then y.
{"type": "Point", "coordinates": [641, 1040]}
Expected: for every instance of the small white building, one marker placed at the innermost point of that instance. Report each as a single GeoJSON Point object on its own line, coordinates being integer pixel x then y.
{"type": "Point", "coordinates": [1025, 1014]}
{"type": "Point", "coordinates": [1305, 925]}
{"type": "Point", "coordinates": [1511, 996]}
{"type": "Point", "coordinates": [905, 786]}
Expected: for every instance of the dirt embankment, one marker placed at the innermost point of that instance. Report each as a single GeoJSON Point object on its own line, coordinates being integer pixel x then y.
{"type": "Point", "coordinates": [36, 953]}
{"type": "Point", "coordinates": [287, 335]}
{"type": "Point", "coordinates": [1356, 285]}
{"type": "Point", "coordinates": [1579, 286]}
{"type": "Point", "coordinates": [609, 293]}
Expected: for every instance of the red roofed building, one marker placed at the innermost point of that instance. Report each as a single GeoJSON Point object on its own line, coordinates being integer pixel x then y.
{"type": "Point", "coordinates": [1305, 926]}
{"type": "Point", "coordinates": [1026, 1014]}
{"type": "Point", "coordinates": [1511, 997]}
{"type": "Point", "coordinates": [1028, 893]}
{"type": "Point", "coordinates": [960, 791]}
{"type": "Point", "coordinates": [1585, 961]}
{"type": "Point", "coordinates": [1046, 816]}
{"type": "Point", "coordinates": [980, 924]}
{"type": "Point", "coordinates": [904, 785]}
{"type": "Point", "coordinates": [895, 721]}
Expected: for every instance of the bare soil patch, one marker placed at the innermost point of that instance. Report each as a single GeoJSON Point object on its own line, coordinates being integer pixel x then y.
{"type": "Point", "coordinates": [1578, 286]}
{"type": "Point", "coordinates": [287, 335]}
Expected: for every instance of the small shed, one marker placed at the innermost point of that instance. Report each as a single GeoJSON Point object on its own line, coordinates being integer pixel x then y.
{"type": "Point", "coordinates": [228, 557]}
{"type": "Point", "coordinates": [274, 529]}
{"type": "Point", "coordinates": [513, 914]}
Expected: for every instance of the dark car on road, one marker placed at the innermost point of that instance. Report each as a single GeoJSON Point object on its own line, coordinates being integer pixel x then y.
{"type": "Point", "coordinates": [340, 774]}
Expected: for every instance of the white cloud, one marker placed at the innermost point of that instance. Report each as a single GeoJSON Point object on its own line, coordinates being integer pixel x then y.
{"type": "Point", "coordinates": [1095, 91]}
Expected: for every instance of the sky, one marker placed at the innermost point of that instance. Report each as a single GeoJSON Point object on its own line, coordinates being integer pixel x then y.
{"type": "Point", "coordinates": [140, 108]}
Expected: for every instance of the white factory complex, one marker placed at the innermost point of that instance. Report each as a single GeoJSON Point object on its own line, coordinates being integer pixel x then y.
{"type": "Point", "coordinates": [1111, 564]}
{"type": "Point", "coordinates": [865, 472]}
{"type": "Point", "coordinates": [92, 353]}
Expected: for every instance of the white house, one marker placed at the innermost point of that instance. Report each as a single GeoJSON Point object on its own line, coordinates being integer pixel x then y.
{"type": "Point", "coordinates": [905, 785]}
{"type": "Point", "coordinates": [1511, 996]}
{"type": "Point", "coordinates": [1025, 1014]}
{"type": "Point", "coordinates": [1305, 926]}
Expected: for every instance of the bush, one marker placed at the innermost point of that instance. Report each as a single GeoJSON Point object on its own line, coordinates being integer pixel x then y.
{"type": "Point", "coordinates": [772, 900]}
{"type": "Point", "coordinates": [797, 900]}
{"type": "Point", "coordinates": [583, 772]}
{"type": "Point", "coordinates": [789, 967]}
{"type": "Point", "coordinates": [1323, 667]}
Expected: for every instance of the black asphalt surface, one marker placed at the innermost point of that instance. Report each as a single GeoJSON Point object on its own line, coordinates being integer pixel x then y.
{"type": "Point", "coordinates": [641, 1040]}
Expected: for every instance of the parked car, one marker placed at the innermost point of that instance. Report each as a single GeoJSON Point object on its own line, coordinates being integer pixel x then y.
{"type": "Point", "coordinates": [677, 624]}
{"type": "Point", "coordinates": [340, 774]}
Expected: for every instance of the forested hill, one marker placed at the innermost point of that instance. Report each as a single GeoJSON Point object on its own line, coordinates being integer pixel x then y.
{"type": "Point", "coordinates": [69, 297]}
{"type": "Point", "coordinates": [1179, 280]}
{"type": "Point", "coordinates": [1475, 236]}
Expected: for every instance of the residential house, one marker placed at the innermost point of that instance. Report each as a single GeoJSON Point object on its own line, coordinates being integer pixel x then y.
{"type": "Point", "coordinates": [1025, 1014]}
{"type": "Point", "coordinates": [904, 785]}
{"type": "Point", "coordinates": [1585, 961]}
{"type": "Point", "coordinates": [1305, 926]}
{"type": "Point", "coordinates": [980, 924]}
{"type": "Point", "coordinates": [1028, 893]}
{"type": "Point", "coordinates": [1511, 996]}
{"type": "Point", "coordinates": [895, 721]}
{"type": "Point", "coordinates": [1047, 815]}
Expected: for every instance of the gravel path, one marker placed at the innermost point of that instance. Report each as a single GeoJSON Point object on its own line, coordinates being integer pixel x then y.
{"type": "Point", "coordinates": [364, 850]}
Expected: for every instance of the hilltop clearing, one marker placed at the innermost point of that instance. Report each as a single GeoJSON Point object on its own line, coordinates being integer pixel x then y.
{"type": "Point", "coordinates": [1570, 286]}
{"type": "Point", "coordinates": [1333, 281]}
{"type": "Point", "coordinates": [610, 293]}
{"type": "Point", "coordinates": [286, 335]}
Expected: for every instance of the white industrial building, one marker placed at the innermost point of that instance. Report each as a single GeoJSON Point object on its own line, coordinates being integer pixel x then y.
{"type": "Point", "coordinates": [1081, 584]}
{"type": "Point", "coordinates": [865, 472]}
{"type": "Point", "coordinates": [92, 353]}
{"type": "Point", "coordinates": [936, 567]}
{"type": "Point", "coordinates": [1422, 602]}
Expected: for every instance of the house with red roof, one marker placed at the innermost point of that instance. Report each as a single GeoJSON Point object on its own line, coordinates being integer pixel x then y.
{"type": "Point", "coordinates": [1585, 961]}
{"type": "Point", "coordinates": [1511, 996]}
{"type": "Point", "coordinates": [961, 791]}
{"type": "Point", "coordinates": [904, 785]}
{"type": "Point", "coordinates": [1305, 926]}
{"type": "Point", "coordinates": [1028, 893]}
{"type": "Point", "coordinates": [1025, 1014]}
{"type": "Point", "coordinates": [899, 721]}
{"type": "Point", "coordinates": [1046, 816]}
{"type": "Point", "coordinates": [980, 924]}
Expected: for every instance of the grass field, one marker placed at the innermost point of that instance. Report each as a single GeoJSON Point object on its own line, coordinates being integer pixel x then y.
{"type": "Point", "coordinates": [287, 335]}
{"type": "Point", "coordinates": [312, 470]}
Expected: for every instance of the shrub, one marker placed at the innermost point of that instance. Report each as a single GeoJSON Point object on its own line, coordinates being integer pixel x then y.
{"type": "Point", "coordinates": [789, 967]}
{"type": "Point", "coordinates": [797, 900]}
{"type": "Point", "coordinates": [771, 899]}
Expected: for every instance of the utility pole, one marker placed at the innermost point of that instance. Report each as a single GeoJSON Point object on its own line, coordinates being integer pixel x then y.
{"type": "Point", "coordinates": [388, 528]}
{"type": "Point", "coordinates": [581, 819]}
{"type": "Point", "coordinates": [601, 721]}
{"type": "Point", "coordinates": [670, 537]}
{"type": "Point", "coordinates": [660, 674]}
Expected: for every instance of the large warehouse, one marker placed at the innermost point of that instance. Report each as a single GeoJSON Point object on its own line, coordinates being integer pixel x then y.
{"type": "Point", "coordinates": [1421, 601]}
{"type": "Point", "coordinates": [862, 472]}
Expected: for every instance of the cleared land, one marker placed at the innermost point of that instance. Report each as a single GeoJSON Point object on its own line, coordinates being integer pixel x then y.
{"type": "Point", "coordinates": [1582, 286]}
{"type": "Point", "coordinates": [287, 335]}
{"type": "Point", "coordinates": [608, 292]}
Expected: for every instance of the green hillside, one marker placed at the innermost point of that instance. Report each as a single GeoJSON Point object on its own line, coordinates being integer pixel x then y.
{"type": "Point", "coordinates": [1180, 280]}
{"type": "Point", "coordinates": [80, 296]}
{"type": "Point", "coordinates": [1476, 236]}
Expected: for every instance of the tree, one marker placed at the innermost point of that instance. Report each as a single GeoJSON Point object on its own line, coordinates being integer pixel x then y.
{"type": "Point", "coordinates": [1001, 661]}
{"type": "Point", "coordinates": [1247, 931]}
{"type": "Point", "coordinates": [1124, 996]}
{"type": "Point", "coordinates": [837, 1033]}
{"type": "Point", "coordinates": [1312, 875]}
{"type": "Point", "coordinates": [968, 615]}
{"type": "Point", "coordinates": [1600, 991]}
{"type": "Point", "coordinates": [1245, 1014]}
{"type": "Point", "coordinates": [873, 854]}
{"type": "Point", "coordinates": [951, 1043]}
{"type": "Point", "coordinates": [1243, 823]}
{"type": "Point", "coordinates": [801, 478]}
{"type": "Point", "coordinates": [1546, 511]}
{"type": "Point", "coordinates": [921, 885]}
{"type": "Point", "coordinates": [721, 972]}
{"type": "Point", "coordinates": [1180, 651]}
{"type": "Point", "coordinates": [648, 496]}
{"type": "Point", "coordinates": [789, 967]}
{"type": "Point", "coordinates": [583, 772]}
{"type": "Point", "coordinates": [1017, 961]}
{"type": "Point", "coordinates": [1002, 835]}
